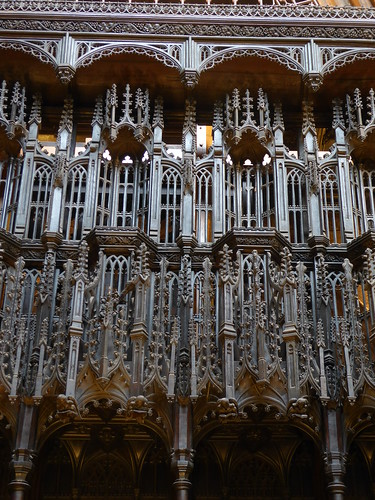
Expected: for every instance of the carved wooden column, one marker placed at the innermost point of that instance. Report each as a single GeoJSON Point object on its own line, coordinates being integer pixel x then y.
{"type": "Point", "coordinates": [334, 457]}
{"type": "Point", "coordinates": [22, 463]}
{"type": "Point", "coordinates": [182, 457]}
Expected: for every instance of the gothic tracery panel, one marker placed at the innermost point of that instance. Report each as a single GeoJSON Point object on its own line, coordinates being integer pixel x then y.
{"type": "Point", "coordinates": [75, 196]}
{"type": "Point", "coordinates": [38, 210]}
{"type": "Point", "coordinates": [170, 206]}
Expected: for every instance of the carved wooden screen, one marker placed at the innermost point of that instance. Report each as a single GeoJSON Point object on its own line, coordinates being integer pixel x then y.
{"type": "Point", "coordinates": [42, 187]}
{"type": "Point", "coordinates": [75, 197]}
{"type": "Point", "coordinates": [10, 176]}
{"type": "Point", "coordinates": [331, 204]}
{"type": "Point", "coordinates": [57, 474]}
{"type": "Point", "coordinates": [170, 206]}
{"type": "Point", "coordinates": [297, 206]}
{"type": "Point", "coordinates": [253, 477]}
{"type": "Point", "coordinates": [106, 476]}
{"type": "Point", "coordinates": [203, 205]}
{"type": "Point", "coordinates": [306, 477]}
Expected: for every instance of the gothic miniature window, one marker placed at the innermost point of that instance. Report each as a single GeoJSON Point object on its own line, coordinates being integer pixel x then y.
{"type": "Point", "coordinates": [297, 206]}
{"type": "Point", "coordinates": [230, 200]}
{"type": "Point", "coordinates": [74, 203]}
{"type": "Point", "coordinates": [42, 187]}
{"type": "Point", "coordinates": [103, 211]}
{"type": "Point", "coordinates": [368, 187]}
{"type": "Point", "coordinates": [268, 198]}
{"type": "Point", "coordinates": [116, 274]}
{"type": "Point", "coordinates": [356, 200]}
{"type": "Point", "coordinates": [170, 206]}
{"type": "Point", "coordinates": [143, 188]}
{"type": "Point", "coordinates": [125, 194]}
{"type": "Point", "coordinates": [249, 206]}
{"type": "Point", "coordinates": [257, 196]}
{"type": "Point", "coordinates": [10, 176]}
{"type": "Point", "coordinates": [203, 205]}
{"type": "Point", "coordinates": [331, 204]}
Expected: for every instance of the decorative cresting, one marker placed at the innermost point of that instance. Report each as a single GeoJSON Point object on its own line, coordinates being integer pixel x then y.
{"type": "Point", "coordinates": [13, 110]}
{"type": "Point", "coordinates": [139, 105]}
{"type": "Point", "coordinates": [360, 115]}
{"type": "Point", "coordinates": [239, 116]}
